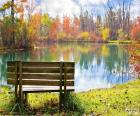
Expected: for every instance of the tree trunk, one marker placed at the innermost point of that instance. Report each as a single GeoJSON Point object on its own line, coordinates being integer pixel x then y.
{"type": "Point", "coordinates": [13, 18]}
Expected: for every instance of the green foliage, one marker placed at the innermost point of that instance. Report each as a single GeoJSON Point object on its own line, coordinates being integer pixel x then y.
{"type": "Point", "coordinates": [5, 6]}
{"type": "Point", "coordinates": [2, 9]}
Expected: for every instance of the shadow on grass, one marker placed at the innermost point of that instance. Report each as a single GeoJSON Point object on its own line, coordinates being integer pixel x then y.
{"type": "Point", "coordinates": [48, 104]}
{"type": "Point", "coordinates": [72, 106]}
{"type": "Point", "coordinates": [72, 103]}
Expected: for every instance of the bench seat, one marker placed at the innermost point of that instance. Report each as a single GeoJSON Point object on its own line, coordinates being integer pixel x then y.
{"type": "Point", "coordinates": [38, 89]}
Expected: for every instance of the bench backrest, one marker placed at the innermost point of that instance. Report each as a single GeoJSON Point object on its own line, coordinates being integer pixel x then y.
{"type": "Point", "coordinates": [41, 73]}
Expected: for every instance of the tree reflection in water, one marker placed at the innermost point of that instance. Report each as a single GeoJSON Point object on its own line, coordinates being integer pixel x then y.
{"type": "Point", "coordinates": [97, 65]}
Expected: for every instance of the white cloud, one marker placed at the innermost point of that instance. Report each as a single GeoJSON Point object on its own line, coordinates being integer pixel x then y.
{"type": "Point", "coordinates": [64, 7]}
{"type": "Point", "coordinates": [60, 7]}
{"type": "Point", "coordinates": [93, 2]}
{"type": "Point", "coordinates": [135, 9]}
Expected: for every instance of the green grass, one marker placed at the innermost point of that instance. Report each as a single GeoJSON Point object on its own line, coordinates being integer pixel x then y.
{"type": "Point", "coordinates": [123, 42]}
{"type": "Point", "coordinates": [121, 100]}
{"type": "Point", "coordinates": [6, 100]}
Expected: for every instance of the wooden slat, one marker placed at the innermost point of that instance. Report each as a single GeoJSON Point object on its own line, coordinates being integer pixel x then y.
{"type": "Point", "coordinates": [45, 70]}
{"type": "Point", "coordinates": [41, 76]}
{"type": "Point", "coordinates": [11, 81]}
{"type": "Point", "coordinates": [47, 64]}
{"type": "Point", "coordinates": [41, 64]}
{"type": "Point", "coordinates": [46, 76]}
{"type": "Point", "coordinates": [41, 91]}
{"type": "Point", "coordinates": [69, 64]}
{"type": "Point", "coordinates": [11, 63]}
{"type": "Point", "coordinates": [40, 82]}
{"type": "Point", "coordinates": [28, 89]}
{"type": "Point", "coordinates": [11, 69]}
{"type": "Point", "coordinates": [40, 70]}
{"type": "Point", "coordinates": [11, 75]}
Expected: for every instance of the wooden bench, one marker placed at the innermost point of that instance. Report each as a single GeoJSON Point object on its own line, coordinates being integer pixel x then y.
{"type": "Point", "coordinates": [32, 77]}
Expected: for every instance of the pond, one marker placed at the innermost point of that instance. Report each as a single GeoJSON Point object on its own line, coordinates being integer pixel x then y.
{"type": "Point", "coordinates": [96, 65]}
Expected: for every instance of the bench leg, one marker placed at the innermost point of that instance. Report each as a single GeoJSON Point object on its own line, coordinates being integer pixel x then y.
{"type": "Point", "coordinates": [16, 93]}
{"type": "Point", "coordinates": [62, 99]}
{"type": "Point", "coordinates": [25, 98]}
{"type": "Point", "coordinates": [60, 102]}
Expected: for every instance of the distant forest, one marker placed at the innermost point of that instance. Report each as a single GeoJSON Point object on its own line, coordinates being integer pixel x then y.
{"type": "Point", "coordinates": [19, 31]}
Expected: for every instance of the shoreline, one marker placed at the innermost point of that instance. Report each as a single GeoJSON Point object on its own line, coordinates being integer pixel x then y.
{"type": "Point", "coordinates": [5, 49]}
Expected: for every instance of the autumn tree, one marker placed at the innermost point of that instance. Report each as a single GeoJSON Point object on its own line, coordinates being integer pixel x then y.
{"type": "Point", "coordinates": [13, 22]}
{"type": "Point", "coordinates": [84, 35]}
{"type": "Point", "coordinates": [46, 22]}
{"type": "Point", "coordinates": [66, 25]}
{"type": "Point", "coordinates": [54, 29]}
{"type": "Point", "coordinates": [105, 33]}
{"type": "Point", "coordinates": [135, 31]}
{"type": "Point", "coordinates": [75, 27]}
{"type": "Point", "coordinates": [34, 26]}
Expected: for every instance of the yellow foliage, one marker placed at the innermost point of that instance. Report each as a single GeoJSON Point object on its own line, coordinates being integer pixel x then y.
{"type": "Point", "coordinates": [61, 35]}
{"type": "Point", "coordinates": [84, 35]}
{"type": "Point", "coordinates": [105, 33]}
{"type": "Point", "coordinates": [105, 51]}
{"type": "Point", "coordinates": [31, 32]}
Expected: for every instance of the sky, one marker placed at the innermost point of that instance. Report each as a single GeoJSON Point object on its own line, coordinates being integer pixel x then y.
{"type": "Point", "coordinates": [72, 7]}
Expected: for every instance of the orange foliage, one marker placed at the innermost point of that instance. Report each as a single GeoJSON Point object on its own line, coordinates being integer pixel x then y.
{"type": "Point", "coordinates": [54, 29]}
{"type": "Point", "coordinates": [34, 25]}
{"type": "Point", "coordinates": [19, 9]}
{"type": "Point", "coordinates": [135, 31]}
{"type": "Point", "coordinates": [66, 25]}
{"type": "Point", "coordinates": [76, 27]}
{"type": "Point", "coordinates": [135, 57]}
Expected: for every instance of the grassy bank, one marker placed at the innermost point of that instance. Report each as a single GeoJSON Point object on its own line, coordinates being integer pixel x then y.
{"type": "Point", "coordinates": [121, 100]}
{"type": "Point", "coordinates": [123, 42]}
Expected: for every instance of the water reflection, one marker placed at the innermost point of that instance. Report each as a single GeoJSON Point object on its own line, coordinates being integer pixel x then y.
{"type": "Point", "coordinates": [97, 65]}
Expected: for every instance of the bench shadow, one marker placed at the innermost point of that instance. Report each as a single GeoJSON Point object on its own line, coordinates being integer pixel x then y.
{"type": "Point", "coordinates": [73, 104]}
